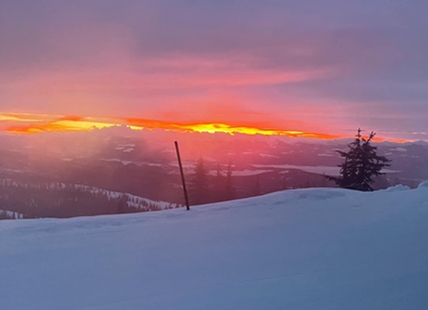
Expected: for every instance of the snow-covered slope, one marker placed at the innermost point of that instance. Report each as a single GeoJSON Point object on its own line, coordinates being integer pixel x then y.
{"type": "Point", "coordinates": [302, 249]}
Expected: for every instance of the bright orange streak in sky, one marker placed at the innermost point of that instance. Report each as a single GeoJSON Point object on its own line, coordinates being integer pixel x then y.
{"type": "Point", "coordinates": [59, 124]}
{"type": "Point", "coordinates": [201, 127]}
{"type": "Point", "coordinates": [24, 123]}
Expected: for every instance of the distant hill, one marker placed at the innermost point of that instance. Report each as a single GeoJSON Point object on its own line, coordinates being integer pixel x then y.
{"type": "Point", "coordinates": [33, 200]}
{"type": "Point", "coordinates": [144, 163]}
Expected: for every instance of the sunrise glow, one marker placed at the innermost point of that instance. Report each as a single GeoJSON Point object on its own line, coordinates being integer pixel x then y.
{"type": "Point", "coordinates": [235, 128]}
{"type": "Point", "coordinates": [26, 123]}
{"type": "Point", "coordinates": [30, 124]}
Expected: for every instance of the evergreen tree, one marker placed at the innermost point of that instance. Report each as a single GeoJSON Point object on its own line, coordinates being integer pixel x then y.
{"type": "Point", "coordinates": [361, 164]}
{"type": "Point", "coordinates": [229, 191]}
{"type": "Point", "coordinates": [223, 185]}
{"type": "Point", "coordinates": [122, 207]}
{"type": "Point", "coordinates": [199, 191]}
{"type": "Point", "coordinates": [219, 183]}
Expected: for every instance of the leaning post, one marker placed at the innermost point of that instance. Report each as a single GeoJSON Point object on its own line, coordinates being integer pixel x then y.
{"type": "Point", "coordinates": [186, 197]}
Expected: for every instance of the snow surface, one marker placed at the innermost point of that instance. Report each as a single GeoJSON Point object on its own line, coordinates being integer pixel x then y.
{"type": "Point", "coordinates": [12, 214]}
{"type": "Point", "coordinates": [242, 173]}
{"type": "Point", "coordinates": [327, 170]}
{"type": "Point", "coordinates": [305, 249]}
{"type": "Point", "coordinates": [137, 163]}
{"type": "Point", "coordinates": [268, 155]}
{"type": "Point", "coordinates": [399, 149]}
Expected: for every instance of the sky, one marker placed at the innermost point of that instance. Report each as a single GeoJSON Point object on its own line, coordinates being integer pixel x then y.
{"type": "Point", "coordinates": [323, 67]}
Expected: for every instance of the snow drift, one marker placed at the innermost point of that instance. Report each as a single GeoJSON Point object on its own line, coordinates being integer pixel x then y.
{"type": "Point", "coordinates": [300, 249]}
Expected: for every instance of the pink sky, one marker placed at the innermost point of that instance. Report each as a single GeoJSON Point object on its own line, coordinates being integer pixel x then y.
{"type": "Point", "coordinates": [319, 67]}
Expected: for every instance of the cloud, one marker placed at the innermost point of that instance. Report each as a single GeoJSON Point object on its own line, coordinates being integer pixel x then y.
{"type": "Point", "coordinates": [317, 65]}
{"type": "Point", "coordinates": [31, 124]}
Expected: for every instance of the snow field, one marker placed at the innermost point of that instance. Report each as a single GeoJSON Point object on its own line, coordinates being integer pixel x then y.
{"type": "Point", "coordinates": [300, 249]}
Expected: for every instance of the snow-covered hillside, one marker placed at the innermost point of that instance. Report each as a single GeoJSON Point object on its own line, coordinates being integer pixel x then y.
{"type": "Point", "coordinates": [58, 199]}
{"type": "Point", "coordinates": [303, 249]}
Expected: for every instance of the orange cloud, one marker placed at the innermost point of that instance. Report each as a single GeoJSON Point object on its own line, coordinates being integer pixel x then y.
{"type": "Point", "coordinates": [36, 123]}
{"type": "Point", "coordinates": [231, 128]}
{"type": "Point", "coordinates": [26, 123]}
{"type": "Point", "coordinates": [53, 127]}
{"type": "Point", "coordinates": [72, 118]}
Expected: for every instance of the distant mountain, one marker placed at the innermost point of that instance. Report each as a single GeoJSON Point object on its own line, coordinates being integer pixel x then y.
{"type": "Point", "coordinates": [144, 164]}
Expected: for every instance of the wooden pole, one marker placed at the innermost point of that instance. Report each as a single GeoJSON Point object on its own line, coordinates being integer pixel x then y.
{"type": "Point", "coordinates": [186, 197]}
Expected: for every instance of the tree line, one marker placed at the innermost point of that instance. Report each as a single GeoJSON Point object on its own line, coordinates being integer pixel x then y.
{"type": "Point", "coordinates": [358, 171]}
{"type": "Point", "coordinates": [205, 188]}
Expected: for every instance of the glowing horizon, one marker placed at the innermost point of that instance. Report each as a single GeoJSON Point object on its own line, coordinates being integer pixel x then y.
{"type": "Point", "coordinates": [29, 123]}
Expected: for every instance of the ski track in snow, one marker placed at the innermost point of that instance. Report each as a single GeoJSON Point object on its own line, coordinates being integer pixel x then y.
{"type": "Point", "coordinates": [302, 249]}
